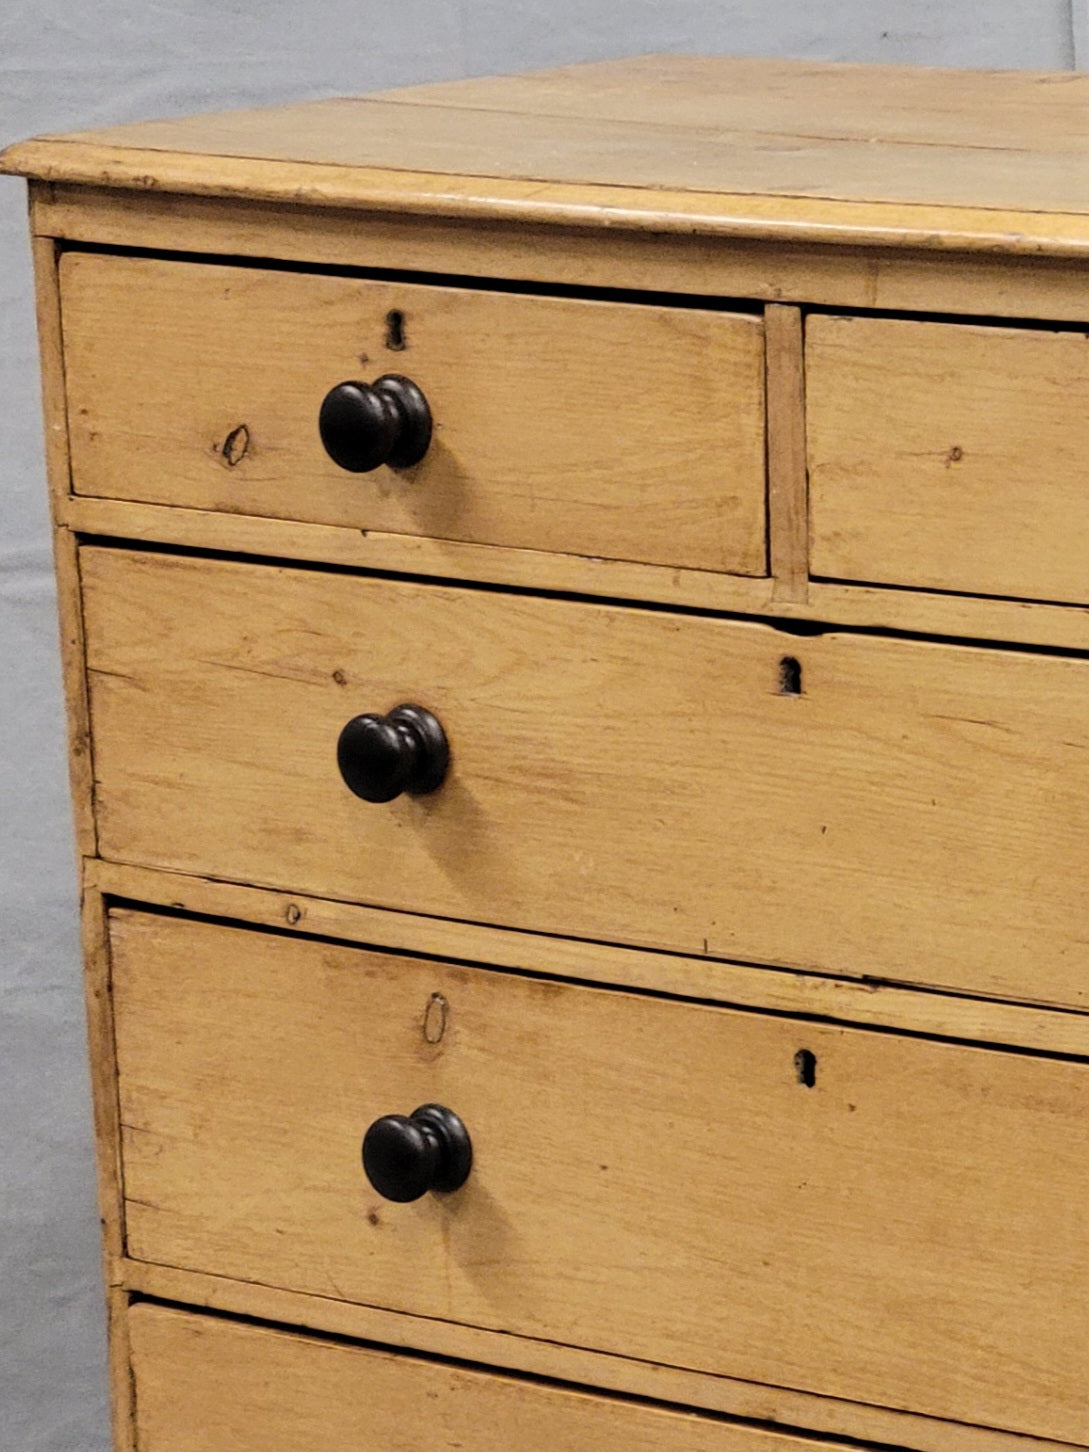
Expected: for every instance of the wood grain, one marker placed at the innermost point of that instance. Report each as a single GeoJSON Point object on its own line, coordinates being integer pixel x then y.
{"type": "Point", "coordinates": [795, 219]}
{"type": "Point", "coordinates": [926, 105]}
{"type": "Point", "coordinates": [788, 498]}
{"type": "Point", "coordinates": [99, 1009]}
{"type": "Point", "coordinates": [897, 269]}
{"type": "Point", "coordinates": [65, 560]}
{"type": "Point", "coordinates": [624, 431]}
{"type": "Point", "coordinates": [767, 1404]}
{"type": "Point", "coordinates": [950, 457]}
{"type": "Point", "coordinates": [77, 707]}
{"type": "Point", "coordinates": [844, 1000]}
{"type": "Point", "coordinates": [659, 1207]}
{"type": "Point", "coordinates": [880, 608]}
{"type": "Point", "coordinates": [274, 1391]}
{"type": "Point", "coordinates": [123, 1426]}
{"type": "Point", "coordinates": [915, 813]}
{"type": "Point", "coordinates": [46, 256]}
{"type": "Point", "coordinates": [930, 163]}
{"type": "Point", "coordinates": [658, 1225]}
{"type": "Point", "coordinates": [98, 999]}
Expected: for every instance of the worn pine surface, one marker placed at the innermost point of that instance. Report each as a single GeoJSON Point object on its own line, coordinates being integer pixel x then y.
{"type": "Point", "coordinates": [845, 1000]}
{"type": "Point", "coordinates": [949, 456]}
{"type": "Point", "coordinates": [650, 1177]}
{"type": "Point", "coordinates": [880, 608]}
{"type": "Point", "coordinates": [917, 813]}
{"type": "Point", "coordinates": [123, 1427]}
{"type": "Point", "coordinates": [599, 428]}
{"type": "Point", "coordinates": [100, 1042]}
{"type": "Point", "coordinates": [788, 484]}
{"type": "Point", "coordinates": [954, 158]}
{"type": "Point", "coordinates": [906, 266]}
{"type": "Point", "coordinates": [261, 1390]}
{"type": "Point", "coordinates": [828, 1416]}
{"type": "Point", "coordinates": [1019, 110]}
{"type": "Point", "coordinates": [65, 561]}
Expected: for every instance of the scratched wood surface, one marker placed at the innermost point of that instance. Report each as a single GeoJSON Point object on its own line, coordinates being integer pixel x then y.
{"type": "Point", "coordinates": [1013, 110]}
{"type": "Point", "coordinates": [908, 266]}
{"type": "Point", "coordinates": [598, 428]}
{"type": "Point", "coordinates": [788, 485]}
{"type": "Point", "coordinates": [261, 1390]}
{"type": "Point", "coordinates": [844, 1000]}
{"type": "Point", "coordinates": [872, 607]}
{"type": "Point", "coordinates": [652, 1178]}
{"type": "Point", "coordinates": [916, 812]}
{"type": "Point", "coordinates": [963, 159]}
{"type": "Point", "coordinates": [896, 1245]}
{"type": "Point", "coordinates": [728, 1396]}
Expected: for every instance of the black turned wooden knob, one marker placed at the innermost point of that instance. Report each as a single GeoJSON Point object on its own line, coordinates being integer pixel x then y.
{"type": "Point", "coordinates": [382, 756]}
{"type": "Point", "coordinates": [363, 425]}
{"type": "Point", "coordinates": [404, 1156]}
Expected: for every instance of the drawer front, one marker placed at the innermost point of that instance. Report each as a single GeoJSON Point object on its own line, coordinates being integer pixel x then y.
{"type": "Point", "coordinates": [261, 1390]}
{"type": "Point", "coordinates": [652, 1178]}
{"type": "Point", "coordinates": [919, 812]}
{"type": "Point", "coordinates": [949, 457]}
{"type": "Point", "coordinates": [604, 429]}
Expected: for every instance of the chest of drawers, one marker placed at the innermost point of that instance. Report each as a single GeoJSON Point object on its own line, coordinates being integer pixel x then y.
{"type": "Point", "coordinates": [575, 602]}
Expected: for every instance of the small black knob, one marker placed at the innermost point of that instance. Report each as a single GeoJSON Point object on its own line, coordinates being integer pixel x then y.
{"type": "Point", "coordinates": [382, 756]}
{"type": "Point", "coordinates": [363, 425]}
{"type": "Point", "coordinates": [404, 1156]}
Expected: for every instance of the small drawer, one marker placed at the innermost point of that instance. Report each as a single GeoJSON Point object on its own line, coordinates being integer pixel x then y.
{"type": "Point", "coordinates": [949, 457]}
{"type": "Point", "coordinates": [885, 1219]}
{"type": "Point", "coordinates": [844, 803]}
{"type": "Point", "coordinates": [263, 1390]}
{"type": "Point", "coordinates": [599, 428]}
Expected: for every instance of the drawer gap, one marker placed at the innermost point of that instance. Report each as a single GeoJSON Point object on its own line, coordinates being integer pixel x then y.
{"type": "Point", "coordinates": [415, 1354]}
{"type": "Point", "coordinates": [894, 591]}
{"type": "Point", "coordinates": [805, 1067]}
{"type": "Point", "coordinates": [973, 320]}
{"type": "Point", "coordinates": [691, 302]}
{"type": "Point", "coordinates": [785, 624]}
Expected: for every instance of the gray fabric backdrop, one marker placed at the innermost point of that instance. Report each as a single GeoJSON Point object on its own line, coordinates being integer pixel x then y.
{"type": "Point", "coordinates": [72, 65]}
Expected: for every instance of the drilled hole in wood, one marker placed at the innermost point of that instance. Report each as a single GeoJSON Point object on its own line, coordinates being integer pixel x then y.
{"type": "Point", "coordinates": [395, 331]}
{"type": "Point", "coordinates": [805, 1067]}
{"type": "Point", "coordinates": [790, 676]}
{"type": "Point", "coordinates": [435, 1018]}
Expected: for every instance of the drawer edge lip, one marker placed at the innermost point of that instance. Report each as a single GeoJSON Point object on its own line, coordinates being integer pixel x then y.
{"type": "Point", "coordinates": [776, 1408]}
{"type": "Point", "coordinates": [472, 197]}
{"type": "Point", "coordinates": [769, 271]}
{"type": "Point", "coordinates": [437, 557]}
{"type": "Point", "coordinates": [905, 590]}
{"type": "Point", "coordinates": [1033, 625]}
{"type": "Point", "coordinates": [1047, 1030]}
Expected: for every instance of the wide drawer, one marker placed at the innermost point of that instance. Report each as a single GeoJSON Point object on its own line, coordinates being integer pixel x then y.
{"type": "Point", "coordinates": [891, 1220]}
{"type": "Point", "coordinates": [918, 811]}
{"type": "Point", "coordinates": [949, 456]}
{"type": "Point", "coordinates": [600, 428]}
{"type": "Point", "coordinates": [208, 1385]}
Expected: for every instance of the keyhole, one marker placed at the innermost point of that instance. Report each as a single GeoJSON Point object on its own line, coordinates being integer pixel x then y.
{"type": "Point", "coordinates": [805, 1068]}
{"type": "Point", "coordinates": [790, 676]}
{"type": "Point", "coordinates": [395, 331]}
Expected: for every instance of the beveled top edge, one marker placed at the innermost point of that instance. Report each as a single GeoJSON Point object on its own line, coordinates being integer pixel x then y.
{"type": "Point", "coordinates": [887, 156]}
